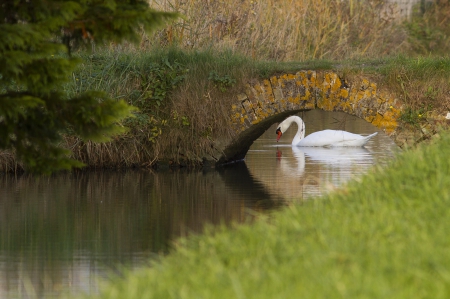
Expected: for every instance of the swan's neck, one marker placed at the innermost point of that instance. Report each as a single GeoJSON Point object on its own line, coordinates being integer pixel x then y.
{"type": "Point", "coordinates": [300, 128]}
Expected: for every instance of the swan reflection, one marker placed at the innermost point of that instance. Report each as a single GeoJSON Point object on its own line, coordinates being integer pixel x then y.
{"type": "Point", "coordinates": [313, 170]}
{"type": "Point", "coordinates": [288, 166]}
{"type": "Point", "coordinates": [331, 157]}
{"type": "Point", "coordinates": [336, 157]}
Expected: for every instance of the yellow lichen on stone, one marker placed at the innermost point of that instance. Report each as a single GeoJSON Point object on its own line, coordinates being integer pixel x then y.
{"type": "Point", "coordinates": [388, 124]}
{"type": "Point", "coordinates": [392, 114]}
{"type": "Point", "coordinates": [310, 105]}
{"type": "Point", "coordinates": [336, 85]}
{"type": "Point", "coordinates": [263, 114]}
{"type": "Point", "coordinates": [268, 92]}
{"type": "Point", "coordinates": [344, 93]}
{"type": "Point", "coordinates": [274, 80]}
{"type": "Point", "coordinates": [293, 100]}
{"type": "Point", "coordinates": [301, 78]}
{"type": "Point", "coordinates": [326, 81]}
{"type": "Point", "coordinates": [327, 104]}
{"type": "Point", "coordinates": [378, 120]}
{"type": "Point", "coordinates": [396, 112]}
{"type": "Point", "coordinates": [307, 96]}
{"type": "Point", "coordinates": [305, 82]}
{"type": "Point", "coordinates": [374, 89]}
{"type": "Point", "coordinates": [346, 106]}
{"type": "Point", "coordinates": [369, 118]}
{"type": "Point", "coordinates": [321, 86]}
{"type": "Point", "coordinates": [381, 101]}
{"type": "Point", "coordinates": [360, 95]}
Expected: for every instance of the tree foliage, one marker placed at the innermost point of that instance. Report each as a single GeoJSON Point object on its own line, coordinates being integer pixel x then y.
{"type": "Point", "coordinates": [36, 38]}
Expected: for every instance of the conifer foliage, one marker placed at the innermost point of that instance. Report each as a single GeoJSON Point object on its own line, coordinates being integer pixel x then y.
{"type": "Point", "coordinates": [36, 38]}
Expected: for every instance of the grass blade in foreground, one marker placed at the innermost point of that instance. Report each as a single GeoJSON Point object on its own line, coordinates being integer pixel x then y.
{"type": "Point", "coordinates": [385, 236]}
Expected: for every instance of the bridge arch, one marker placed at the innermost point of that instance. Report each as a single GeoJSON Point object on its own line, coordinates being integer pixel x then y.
{"type": "Point", "coordinates": [271, 100]}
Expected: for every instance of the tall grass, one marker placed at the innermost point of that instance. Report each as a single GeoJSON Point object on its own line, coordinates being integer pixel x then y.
{"type": "Point", "coordinates": [429, 31]}
{"type": "Point", "coordinates": [422, 83]}
{"type": "Point", "coordinates": [286, 29]}
{"type": "Point", "coordinates": [181, 106]}
{"type": "Point", "coordinates": [383, 236]}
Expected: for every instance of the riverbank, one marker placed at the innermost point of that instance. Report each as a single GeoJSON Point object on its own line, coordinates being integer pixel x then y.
{"type": "Point", "coordinates": [382, 236]}
{"type": "Point", "coordinates": [185, 99]}
{"type": "Point", "coordinates": [183, 76]}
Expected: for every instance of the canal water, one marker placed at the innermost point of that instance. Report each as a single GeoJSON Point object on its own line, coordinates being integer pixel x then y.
{"type": "Point", "coordinates": [61, 234]}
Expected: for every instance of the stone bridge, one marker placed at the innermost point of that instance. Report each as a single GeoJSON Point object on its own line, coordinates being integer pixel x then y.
{"type": "Point", "coordinates": [269, 101]}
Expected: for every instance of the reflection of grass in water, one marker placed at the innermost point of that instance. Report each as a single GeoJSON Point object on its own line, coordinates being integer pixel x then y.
{"type": "Point", "coordinates": [53, 228]}
{"type": "Point", "coordinates": [384, 236]}
{"type": "Point", "coordinates": [108, 212]}
{"type": "Point", "coordinates": [59, 215]}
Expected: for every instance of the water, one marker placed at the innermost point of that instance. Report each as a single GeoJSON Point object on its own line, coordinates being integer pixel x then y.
{"type": "Point", "coordinates": [301, 173]}
{"type": "Point", "coordinates": [60, 234]}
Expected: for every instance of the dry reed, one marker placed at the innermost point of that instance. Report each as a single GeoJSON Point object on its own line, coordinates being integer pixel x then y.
{"type": "Point", "coordinates": [285, 30]}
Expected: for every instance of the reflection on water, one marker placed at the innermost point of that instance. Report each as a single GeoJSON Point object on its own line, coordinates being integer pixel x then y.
{"type": "Point", "coordinates": [298, 173]}
{"type": "Point", "coordinates": [61, 233]}
{"type": "Point", "coordinates": [334, 158]}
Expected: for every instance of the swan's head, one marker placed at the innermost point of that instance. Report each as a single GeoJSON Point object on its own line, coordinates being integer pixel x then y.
{"type": "Point", "coordinates": [282, 127]}
{"type": "Point", "coordinates": [279, 133]}
{"type": "Point", "coordinates": [285, 124]}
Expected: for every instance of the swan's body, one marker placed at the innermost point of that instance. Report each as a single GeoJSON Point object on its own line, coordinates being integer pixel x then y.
{"type": "Point", "coordinates": [327, 138]}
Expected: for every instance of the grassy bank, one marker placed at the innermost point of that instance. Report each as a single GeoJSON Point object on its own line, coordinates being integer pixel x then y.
{"type": "Point", "coordinates": [384, 236]}
{"type": "Point", "coordinates": [184, 98]}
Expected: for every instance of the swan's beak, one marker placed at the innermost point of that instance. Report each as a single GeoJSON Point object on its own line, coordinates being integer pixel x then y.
{"type": "Point", "coordinates": [279, 134]}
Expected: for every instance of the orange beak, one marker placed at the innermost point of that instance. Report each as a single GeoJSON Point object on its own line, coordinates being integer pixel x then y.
{"type": "Point", "coordinates": [279, 134]}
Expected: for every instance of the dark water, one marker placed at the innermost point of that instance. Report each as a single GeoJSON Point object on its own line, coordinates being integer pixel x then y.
{"type": "Point", "coordinates": [60, 234]}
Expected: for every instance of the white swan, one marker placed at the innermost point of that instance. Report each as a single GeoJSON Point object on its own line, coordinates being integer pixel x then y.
{"type": "Point", "coordinates": [327, 138]}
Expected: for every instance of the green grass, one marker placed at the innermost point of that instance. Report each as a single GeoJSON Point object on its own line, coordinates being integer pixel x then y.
{"type": "Point", "coordinates": [420, 82]}
{"type": "Point", "coordinates": [169, 84]}
{"type": "Point", "coordinates": [382, 236]}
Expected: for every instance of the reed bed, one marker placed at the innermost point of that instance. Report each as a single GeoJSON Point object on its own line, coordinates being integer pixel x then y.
{"type": "Point", "coordinates": [287, 29]}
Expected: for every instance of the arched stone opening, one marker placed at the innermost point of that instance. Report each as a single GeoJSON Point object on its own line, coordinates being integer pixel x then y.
{"type": "Point", "coordinates": [269, 101]}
